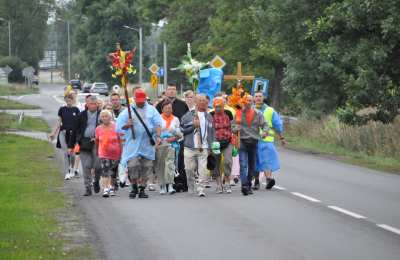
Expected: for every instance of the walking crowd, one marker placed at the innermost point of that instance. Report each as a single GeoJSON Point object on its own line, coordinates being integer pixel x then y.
{"type": "Point", "coordinates": [181, 145]}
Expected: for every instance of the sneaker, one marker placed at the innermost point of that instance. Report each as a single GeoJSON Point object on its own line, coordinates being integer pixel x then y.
{"type": "Point", "coordinates": [232, 183]}
{"type": "Point", "coordinates": [162, 190]}
{"type": "Point", "coordinates": [219, 190]}
{"type": "Point", "coordinates": [133, 192]}
{"type": "Point", "coordinates": [228, 189]}
{"type": "Point", "coordinates": [96, 186]}
{"type": "Point", "coordinates": [106, 193]}
{"type": "Point", "coordinates": [76, 174]}
{"type": "Point", "coordinates": [245, 191]}
{"type": "Point", "coordinates": [202, 194]}
{"type": "Point", "coordinates": [171, 189]}
{"type": "Point", "coordinates": [67, 176]}
{"type": "Point", "coordinates": [122, 184]}
{"type": "Point", "coordinates": [88, 191]}
{"type": "Point", "coordinates": [236, 180]}
{"type": "Point", "coordinates": [256, 184]}
{"type": "Point", "coordinates": [208, 185]}
{"type": "Point", "coordinates": [142, 194]}
{"type": "Point", "coordinates": [111, 192]}
{"type": "Point", "coordinates": [151, 187]}
{"type": "Point", "coordinates": [270, 184]}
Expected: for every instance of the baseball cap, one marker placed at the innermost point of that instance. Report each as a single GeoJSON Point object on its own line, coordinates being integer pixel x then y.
{"type": "Point", "coordinates": [140, 96]}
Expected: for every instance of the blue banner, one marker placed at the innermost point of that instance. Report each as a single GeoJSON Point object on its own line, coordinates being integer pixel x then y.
{"type": "Point", "coordinates": [210, 82]}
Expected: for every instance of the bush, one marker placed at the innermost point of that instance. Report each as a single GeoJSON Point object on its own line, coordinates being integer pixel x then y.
{"type": "Point", "coordinates": [373, 138]}
{"type": "Point", "coordinates": [17, 65]}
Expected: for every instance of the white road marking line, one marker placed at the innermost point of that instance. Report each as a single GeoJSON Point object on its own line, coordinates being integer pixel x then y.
{"type": "Point", "coordinates": [20, 97]}
{"type": "Point", "coordinates": [279, 187]}
{"type": "Point", "coordinates": [347, 212]}
{"type": "Point", "coordinates": [58, 99]}
{"type": "Point", "coordinates": [389, 228]}
{"type": "Point", "coordinates": [305, 197]}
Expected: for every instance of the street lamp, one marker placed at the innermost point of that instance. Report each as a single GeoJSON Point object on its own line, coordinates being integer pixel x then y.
{"type": "Point", "coordinates": [139, 30]}
{"type": "Point", "coordinates": [69, 49]}
{"type": "Point", "coordinates": [9, 34]}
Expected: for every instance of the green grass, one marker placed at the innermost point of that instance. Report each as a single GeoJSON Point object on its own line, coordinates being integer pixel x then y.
{"type": "Point", "coordinates": [8, 121]}
{"type": "Point", "coordinates": [29, 201]}
{"type": "Point", "coordinates": [17, 90]}
{"type": "Point", "coordinates": [11, 104]}
{"type": "Point", "coordinates": [373, 162]}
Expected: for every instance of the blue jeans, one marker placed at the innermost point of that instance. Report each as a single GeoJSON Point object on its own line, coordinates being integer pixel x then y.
{"type": "Point", "coordinates": [247, 161]}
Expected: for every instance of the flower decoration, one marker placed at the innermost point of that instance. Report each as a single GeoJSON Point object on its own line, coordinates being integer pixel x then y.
{"type": "Point", "coordinates": [238, 98]}
{"type": "Point", "coordinates": [191, 68]}
{"type": "Point", "coordinates": [121, 63]}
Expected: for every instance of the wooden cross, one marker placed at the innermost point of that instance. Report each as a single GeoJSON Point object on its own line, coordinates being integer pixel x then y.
{"type": "Point", "coordinates": [239, 77]}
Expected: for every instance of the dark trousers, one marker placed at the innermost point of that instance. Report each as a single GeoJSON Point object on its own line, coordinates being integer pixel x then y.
{"type": "Point", "coordinates": [181, 181]}
{"type": "Point", "coordinates": [247, 161]}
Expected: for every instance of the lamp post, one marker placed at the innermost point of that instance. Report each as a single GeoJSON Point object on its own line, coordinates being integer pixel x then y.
{"type": "Point", "coordinates": [139, 30]}
{"type": "Point", "coordinates": [9, 34]}
{"type": "Point", "coordinates": [69, 48]}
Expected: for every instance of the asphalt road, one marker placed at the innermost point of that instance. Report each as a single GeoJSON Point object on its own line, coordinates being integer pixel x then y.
{"type": "Point", "coordinates": [321, 209]}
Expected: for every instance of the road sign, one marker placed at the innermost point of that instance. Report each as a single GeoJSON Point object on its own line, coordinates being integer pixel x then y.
{"type": "Point", "coordinates": [154, 68]}
{"type": "Point", "coordinates": [160, 72]}
{"type": "Point", "coordinates": [28, 72]}
{"type": "Point", "coordinates": [154, 80]}
{"type": "Point", "coordinates": [217, 62]}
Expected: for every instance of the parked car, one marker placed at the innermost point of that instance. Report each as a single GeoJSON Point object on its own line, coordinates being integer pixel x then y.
{"type": "Point", "coordinates": [86, 87]}
{"type": "Point", "coordinates": [99, 87]}
{"type": "Point", "coordinates": [75, 83]}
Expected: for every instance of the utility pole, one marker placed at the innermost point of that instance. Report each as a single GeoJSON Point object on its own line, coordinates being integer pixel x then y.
{"type": "Point", "coordinates": [140, 31]}
{"type": "Point", "coordinates": [140, 56]}
{"type": "Point", "coordinates": [9, 38]}
{"type": "Point", "coordinates": [69, 53]}
{"type": "Point", "coordinates": [165, 66]}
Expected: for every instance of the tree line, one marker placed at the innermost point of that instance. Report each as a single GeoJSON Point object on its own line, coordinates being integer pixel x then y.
{"type": "Point", "coordinates": [321, 57]}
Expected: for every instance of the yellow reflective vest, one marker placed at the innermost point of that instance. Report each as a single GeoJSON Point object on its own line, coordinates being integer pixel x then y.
{"type": "Point", "coordinates": [268, 112]}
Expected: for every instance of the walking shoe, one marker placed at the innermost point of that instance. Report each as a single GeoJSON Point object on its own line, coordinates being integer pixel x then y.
{"type": "Point", "coordinates": [245, 191]}
{"type": "Point", "coordinates": [67, 176]}
{"type": "Point", "coordinates": [162, 190]}
{"type": "Point", "coordinates": [256, 184]}
{"type": "Point", "coordinates": [171, 189]}
{"type": "Point", "coordinates": [106, 193]}
{"type": "Point", "coordinates": [111, 192]}
{"type": "Point", "coordinates": [228, 189]}
{"type": "Point", "coordinates": [207, 185]}
{"type": "Point", "coordinates": [88, 191]}
{"type": "Point", "coordinates": [236, 180]}
{"type": "Point", "coordinates": [142, 193]}
{"type": "Point", "coordinates": [133, 192]}
{"type": "Point", "coordinates": [151, 187]}
{"type": "Point", "coordinates": [76, 174]}
{"type": "Point", "coordinates": [232, 183]}
{"type": "Point", "coordinates": [270, 183]}
{"type": "Point", "coordinates": [96, 186]}
{"type": "Point", "coordinates": [218, 190]}
{"type": "Point", "coordinates": [122, 184]}
{"type": "Point", "coordinates": [202, 194]}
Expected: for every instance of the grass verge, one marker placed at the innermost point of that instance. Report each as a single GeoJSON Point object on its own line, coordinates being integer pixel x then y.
{"type": "Point", "coordinates": [386, 164]}
{"type": "Point", "coordinates": [17, 90]}
{"type": "Point", "coordinates": [11, 104]}
{"type": "Point", "coordinates": [30, 201]}
{"type": "Point", "coordinates": [8, 121]}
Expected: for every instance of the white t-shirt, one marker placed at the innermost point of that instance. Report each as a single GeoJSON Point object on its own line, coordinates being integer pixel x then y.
{"type": "Point", "coordinates": [204, 128]}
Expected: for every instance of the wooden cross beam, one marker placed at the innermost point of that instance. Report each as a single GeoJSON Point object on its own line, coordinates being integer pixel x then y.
{"type": "Point", "coordinates": [239, 77]}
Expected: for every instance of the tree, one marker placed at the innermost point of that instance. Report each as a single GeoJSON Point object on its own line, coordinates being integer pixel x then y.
{"type": "Point", "coordinates": [28, 28]}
